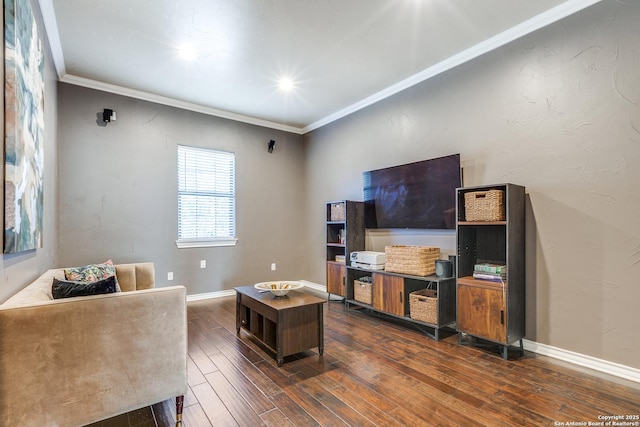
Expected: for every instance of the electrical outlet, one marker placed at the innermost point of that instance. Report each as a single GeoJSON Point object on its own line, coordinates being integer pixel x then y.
{"type": "Point", "coordinates": [273, 266]}
{"type": "Point", "coordinates": [170, 275]}
{"type": "Point", "coordinates": [203, 263]}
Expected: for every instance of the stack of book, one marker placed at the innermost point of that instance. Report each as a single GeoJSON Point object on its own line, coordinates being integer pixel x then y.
{"type": "Point", "coordinates": [492, 272]}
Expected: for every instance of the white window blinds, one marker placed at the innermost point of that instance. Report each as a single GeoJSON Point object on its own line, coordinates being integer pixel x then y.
{"type": "Point", "coordinates": [206, 197]}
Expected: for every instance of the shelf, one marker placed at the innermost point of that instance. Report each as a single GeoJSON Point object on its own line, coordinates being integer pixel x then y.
{"type": "Point", "coordinates": [417, 323]}
{"type": "Point", "coordinates": [482, 223]}
{"type": "Point", "coordinates": [430, 278]}
{"type": "Point", "coordinates": [405, 318]}
{"type": "Point", "coordinates": [470, 281]}
{"type": "Point", "coordinates": [486, 309]}
{"type": "Point", "coordinates": [345, 234]}
{"type": "Point", "coordinates": [360, 304]}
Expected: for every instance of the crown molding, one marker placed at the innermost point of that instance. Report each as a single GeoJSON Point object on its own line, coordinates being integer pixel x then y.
{"type": "Point", "coordinates": [172, 102]}
{"type": "Point", "coordinates": [53, 36]}
{"type": "Point", "coordinates": [51, 28]}
{"type": "Point", "coordinates": [542, 20]}
{"type": "Point", "coordinates": [537, 22]}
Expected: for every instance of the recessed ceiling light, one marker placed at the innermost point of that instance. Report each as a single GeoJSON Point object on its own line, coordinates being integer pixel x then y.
{"type": "Point", "coordinates": [286, 84]}
{"type": "Point", "coordinates": [187, 52]}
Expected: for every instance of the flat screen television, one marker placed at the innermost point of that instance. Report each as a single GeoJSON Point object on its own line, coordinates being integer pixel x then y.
{"type": "Point", "coordinates": [420, 195]}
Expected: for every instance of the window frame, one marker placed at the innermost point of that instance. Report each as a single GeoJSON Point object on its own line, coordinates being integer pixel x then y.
{"type": "Point", "coordinates": [201, 242]}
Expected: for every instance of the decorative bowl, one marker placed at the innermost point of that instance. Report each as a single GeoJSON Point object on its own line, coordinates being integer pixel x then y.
{"type": "Point", "coordinates": [278, 289]}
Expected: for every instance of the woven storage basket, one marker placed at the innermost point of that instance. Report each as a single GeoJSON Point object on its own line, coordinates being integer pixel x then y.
{"type": "Point", "coordinates": [337, 211]}
{"type": "Point", "coordinates": [363, 292]}
{"type": "Point", "coordinates": [413, 260]}
{"type": "Point", "coordinates": [484, 205]}
{"type": "Point", "coordinates": [423, 305]}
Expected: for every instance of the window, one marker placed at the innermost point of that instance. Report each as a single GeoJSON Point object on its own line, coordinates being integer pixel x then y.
{"type": "Point", "coordinates": [206, 197]}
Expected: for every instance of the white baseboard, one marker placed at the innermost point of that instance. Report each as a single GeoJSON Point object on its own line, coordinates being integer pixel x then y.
{"type": "Point", "coordinates": [611, 368]}
{"type": "Point", "coordinates": [210, 295]}
{"type": "Point", "coordinates": [579, 359]}
{"type": "Point", "coordinates": [313, 285]}
{"type": "Point", "coordinates": [231, 292]}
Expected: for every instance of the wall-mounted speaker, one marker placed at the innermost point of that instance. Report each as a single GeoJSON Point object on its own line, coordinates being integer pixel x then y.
{"type": "Point", "coordinates": [444, 268]}
{"type": "Point", "coordinates": [108, 115]}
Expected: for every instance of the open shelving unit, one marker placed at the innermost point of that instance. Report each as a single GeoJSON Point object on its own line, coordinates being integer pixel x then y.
{"type": "Point", "coordinates": [488, 310]}
{"type": "Point", "coordinates": [345, 234]}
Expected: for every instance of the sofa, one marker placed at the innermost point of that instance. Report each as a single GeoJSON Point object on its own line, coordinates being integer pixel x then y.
{"type": "Point", "coordinates": [74, 361]}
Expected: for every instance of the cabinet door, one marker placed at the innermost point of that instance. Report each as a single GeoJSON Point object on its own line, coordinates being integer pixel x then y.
{"type": "Point", "coordinates": [336, 279]}
{"type": "Point", "coordinates": [388, 294]}
{"type": "Point", "coordinates": [482, 312]}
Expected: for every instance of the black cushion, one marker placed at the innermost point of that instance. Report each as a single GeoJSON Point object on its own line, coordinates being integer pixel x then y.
{"type": "Point", "coordinates": [68, 289]}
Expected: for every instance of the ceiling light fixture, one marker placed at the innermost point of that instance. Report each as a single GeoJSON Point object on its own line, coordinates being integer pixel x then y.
{"type": "Point", "coordinates": [286, 84]}
{"type": "Point", "coordinates": [187, 52]}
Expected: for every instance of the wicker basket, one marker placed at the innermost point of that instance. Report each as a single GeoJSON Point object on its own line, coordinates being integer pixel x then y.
{"type": "Point", "coordinates": [484, 205]}
{"type": "Point", "coordinates": [423, 306]}
{"type": "Point", "coordinates": [337, 211]}
{"type": "Point", "coordinates": [363, 292]}
{"type": "Point", "coordinates": [413, 260]}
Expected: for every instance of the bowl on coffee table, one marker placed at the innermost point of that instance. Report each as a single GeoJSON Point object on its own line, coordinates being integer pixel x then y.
{"type": "Point", "coordinates": [278, 288]}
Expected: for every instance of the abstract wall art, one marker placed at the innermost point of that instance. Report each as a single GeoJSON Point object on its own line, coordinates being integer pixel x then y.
{"type": "Point", "coordinates": [24, 128]}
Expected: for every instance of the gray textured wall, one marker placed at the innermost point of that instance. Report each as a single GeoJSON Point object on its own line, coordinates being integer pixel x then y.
{"type": "Point", "coordinates": [558, 112]}
{"type": "Point", "coordinates": [17, 270]}
{"type": "Point", "coordinates": [118, 191]}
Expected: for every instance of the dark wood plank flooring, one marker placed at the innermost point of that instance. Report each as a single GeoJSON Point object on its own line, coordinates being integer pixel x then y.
{"type": "Point", "coordinates": [376, 372]}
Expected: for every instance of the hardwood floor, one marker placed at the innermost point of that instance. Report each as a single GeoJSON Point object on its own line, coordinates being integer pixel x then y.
{"type": "Point", "coordinates": [152, 416]}
{"type": "Point", "coordinates": [378, 373]}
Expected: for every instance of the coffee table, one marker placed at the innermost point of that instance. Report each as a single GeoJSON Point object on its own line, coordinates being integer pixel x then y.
{"type": "Point", "coordinates": [286, 325]}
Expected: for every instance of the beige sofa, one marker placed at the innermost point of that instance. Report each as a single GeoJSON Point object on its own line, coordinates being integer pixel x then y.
{"type": "Point", "coordinates": [73, 361]}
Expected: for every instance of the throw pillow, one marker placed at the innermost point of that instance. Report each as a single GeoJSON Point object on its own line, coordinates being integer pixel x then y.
{"type": "Point", "coordinates": [68, 289]}
{"type": "Point", "coordinates": [92, 273]}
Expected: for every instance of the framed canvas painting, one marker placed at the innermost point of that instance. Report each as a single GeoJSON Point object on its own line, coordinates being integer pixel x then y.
{"type": "Point", "coordinates": [24, 128]}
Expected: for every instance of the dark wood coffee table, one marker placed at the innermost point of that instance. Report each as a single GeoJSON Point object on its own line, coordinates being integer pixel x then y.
{"type": "Point", "coordinates": [287, 325]}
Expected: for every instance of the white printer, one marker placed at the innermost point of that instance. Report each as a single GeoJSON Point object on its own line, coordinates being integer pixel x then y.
{"type": "Point", "coordinates": [368, 260]}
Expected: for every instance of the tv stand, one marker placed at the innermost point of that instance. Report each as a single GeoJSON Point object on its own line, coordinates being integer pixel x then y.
{"type": "Point", "coordinates": [391, 296]}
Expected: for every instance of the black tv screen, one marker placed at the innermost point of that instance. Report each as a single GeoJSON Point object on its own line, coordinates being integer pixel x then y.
{"type": "Point", "coordinates": [418, 195]}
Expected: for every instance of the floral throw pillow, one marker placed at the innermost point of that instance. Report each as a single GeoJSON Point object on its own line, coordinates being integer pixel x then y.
{"type": "Point", "coordinates": [91, 273]}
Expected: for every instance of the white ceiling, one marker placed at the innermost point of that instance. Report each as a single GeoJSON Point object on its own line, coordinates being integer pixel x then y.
{"type": "Point", "coordinates": [342, 54]}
